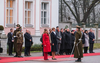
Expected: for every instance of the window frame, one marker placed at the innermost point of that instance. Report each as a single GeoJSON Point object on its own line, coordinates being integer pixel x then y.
{"type": "Point", "coordinates": [8, 16]}
{"type": "Point", "coordinates": [48, 14]}
{"type": "Point", "coordinates": [32, 14]}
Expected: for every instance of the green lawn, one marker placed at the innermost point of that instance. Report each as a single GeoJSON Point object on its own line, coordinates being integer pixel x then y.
{"type": "Point", "coordinates": [97, 46]}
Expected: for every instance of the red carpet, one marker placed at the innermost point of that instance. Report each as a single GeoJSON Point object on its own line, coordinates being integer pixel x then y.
{"type": "Point", "coordinates": [15, 59]}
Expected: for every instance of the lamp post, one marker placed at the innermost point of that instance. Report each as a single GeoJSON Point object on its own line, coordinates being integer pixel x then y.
{"type": "Point", "coordinates": [96, 26]}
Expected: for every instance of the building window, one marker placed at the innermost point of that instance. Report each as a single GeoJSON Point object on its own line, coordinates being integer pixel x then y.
{"type": "Point", "coordinates": [44, 13]}
{"type": "Point", "coordinates": [9, 11]}
{"type": "Point", "coordinates": [28, 12]}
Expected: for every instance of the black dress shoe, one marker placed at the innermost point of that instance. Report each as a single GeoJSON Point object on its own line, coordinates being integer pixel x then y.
{"type": "Point", "coordinates": [78, 60]}
{"type": "Point", "coordinates": [20, 56]}
{"type": "Point", "coordinates": [15, 56]}
{"type": "Point", "coordinates": [25, 55]}
{"type": "Point", "coordinates": [11, 55]}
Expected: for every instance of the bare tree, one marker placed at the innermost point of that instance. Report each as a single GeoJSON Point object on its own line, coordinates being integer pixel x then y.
{"type": "Point", "coordinates": [87, 6]}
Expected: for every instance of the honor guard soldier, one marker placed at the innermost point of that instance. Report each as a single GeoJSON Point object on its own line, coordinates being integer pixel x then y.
{"type": "Point", "coordinates": [78, 52]}
{"type": "Point", "coordinates": [19, 36]}
{"type": "Point", "coordinates": [15, 38]}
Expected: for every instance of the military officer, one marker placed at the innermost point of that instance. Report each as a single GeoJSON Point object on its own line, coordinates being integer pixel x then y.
{"type": "Point", "coordinates": [19, 36]}
{"type": "Point", "coordinates": [78, 52]}
{"type": "Point", "coordinates": [15, 38]}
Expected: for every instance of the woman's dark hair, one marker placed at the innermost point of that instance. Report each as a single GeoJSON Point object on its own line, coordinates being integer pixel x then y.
{"type": "Point", "coordinates": [85, 31]}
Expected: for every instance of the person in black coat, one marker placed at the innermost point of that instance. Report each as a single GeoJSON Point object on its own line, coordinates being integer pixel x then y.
{"type": "Point", "coordinates": [72, 39]}
{"type": "Point", "coordinates": [83, 36]}
{"type": "Point", "coordinates": [62, 43]}
{"type": "Point", "coordinates": [28, 42]}
{"type": "Point", "coordinates": [68, 42]}
{"type": "Point", "coordinates": [54, 43]}
{"type": "Point", "coordinates": [91, 41]}
{"type": "Point", "coordinates": [10, 41]}
{"type": "Point", "coordinates": [31, 42]}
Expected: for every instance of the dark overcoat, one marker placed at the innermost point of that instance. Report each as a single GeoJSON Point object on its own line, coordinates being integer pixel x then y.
{"type": "Point", "coordinates": [78, 52]}
{"type": "Point", "coordinates": [27, 39]}
{"type": "Point", "coordinates": [53, 41]}
{"type": "Point", "coordinates": [67, 40]}
{"type": "Point", "coordinates": [62, 42]}
{"type": "Point", "coordinates": [72, 39]}
{"type": "Point", "coordinates": [91, 37]}
{"type": "Point", "coordinates": [83, 38]}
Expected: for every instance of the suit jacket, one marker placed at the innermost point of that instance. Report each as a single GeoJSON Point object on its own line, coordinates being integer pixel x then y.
{"type": "Point", "coordinates": [83, 38]}
{"type": "Point", "coordinates": [91, 37]}
{"type": "Point", "coordinates": [27, 39]}
{"type": "Point", "coordinates": [9, 37]}
{"type": "Point", "coordinates": [58, 36]}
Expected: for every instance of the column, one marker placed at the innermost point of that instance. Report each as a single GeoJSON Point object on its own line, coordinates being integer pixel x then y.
{"type": "Point", "coordinates": [37, 31]}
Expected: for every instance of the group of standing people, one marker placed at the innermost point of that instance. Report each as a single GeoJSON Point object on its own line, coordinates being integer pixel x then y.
{"type": "Point", "coordinates": [54, 41]}
{"type": "Point", "coordinates": [62, 41]}
{"type": "Point", "coordinates": [16, 39]}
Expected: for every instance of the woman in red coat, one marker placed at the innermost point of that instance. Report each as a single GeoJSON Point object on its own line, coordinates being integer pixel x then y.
{"type": "Point", "coordinates": [46, 44]}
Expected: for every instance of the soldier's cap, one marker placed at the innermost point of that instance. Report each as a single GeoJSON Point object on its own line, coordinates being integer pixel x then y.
{"type": "Point", "coordinates": [18, 25]}
{"type": "Point", "coordinates": [78, 26]}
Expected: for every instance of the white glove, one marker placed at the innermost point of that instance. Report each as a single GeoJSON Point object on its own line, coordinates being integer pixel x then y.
{"type": "Point", "coordinates": [14, 36]}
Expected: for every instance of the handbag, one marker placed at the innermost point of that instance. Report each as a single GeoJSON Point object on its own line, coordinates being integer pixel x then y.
{"type": "Point", "coordinates": [1, 49]}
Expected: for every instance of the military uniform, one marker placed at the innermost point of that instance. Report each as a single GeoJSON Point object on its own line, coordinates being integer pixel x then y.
{"type": "Point", "coordinates": [78, 51]}
{"type": "Point", "coordinates": [15, 39]}
{"type": "Point", "coordinates": [19, 43]}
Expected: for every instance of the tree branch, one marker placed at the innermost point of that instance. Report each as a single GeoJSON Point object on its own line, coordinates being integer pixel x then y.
{"type": "Point", "coordinates": [70, 10]}
{"type": "Point", "coordinates": [86, 14]}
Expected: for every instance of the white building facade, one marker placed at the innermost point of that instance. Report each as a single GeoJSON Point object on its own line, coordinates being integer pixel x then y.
{"type": "Point", "coordinates": [34, 15]}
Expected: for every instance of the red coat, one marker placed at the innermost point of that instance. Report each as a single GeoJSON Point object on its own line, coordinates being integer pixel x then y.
{"type": "Point", "coordinates": [46, 43]}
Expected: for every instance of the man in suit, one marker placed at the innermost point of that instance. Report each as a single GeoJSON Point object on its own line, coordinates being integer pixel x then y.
{"type": "Point", "coordinates": [91, 41]}
{"type": "Point", "coordinates": [28, 43]}
{"type": "Point", "coordinates": [58, 39]}
{"type": "Point", "coordinates": [10, 42]}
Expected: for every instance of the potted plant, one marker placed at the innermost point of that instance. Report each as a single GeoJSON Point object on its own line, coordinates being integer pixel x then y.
{"type": "Point", "coordinates": [1, 28]}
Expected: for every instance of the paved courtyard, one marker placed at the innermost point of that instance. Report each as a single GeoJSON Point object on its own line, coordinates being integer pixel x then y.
{"type": "Point", "coordinates": [87, 59]}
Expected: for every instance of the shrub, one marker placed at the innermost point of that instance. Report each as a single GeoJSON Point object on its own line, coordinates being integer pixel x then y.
{"type": "Point", "coordinates": [1, 27]}
{"type": "Point", "coordinates": [36, 47]}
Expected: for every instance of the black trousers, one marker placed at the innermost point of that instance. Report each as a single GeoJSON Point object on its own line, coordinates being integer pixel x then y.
{"type": "Point", "coordinates": [10, 45]}
{"type": "Point", "coordinates": [85, 49]}
{"type": "Point", "coordinates": [67, 51]}
{"type": "Point", "coordinates": [91, 47]}
{"type": "Point", "coordinates": [27, 49]}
